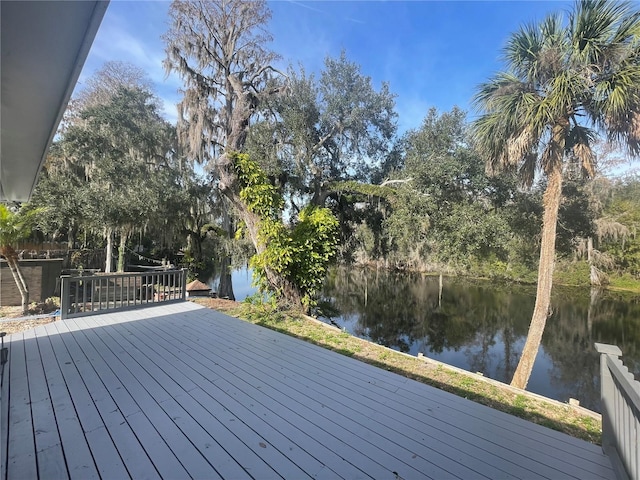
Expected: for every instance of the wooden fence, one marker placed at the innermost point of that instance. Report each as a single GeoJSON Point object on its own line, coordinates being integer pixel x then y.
{"type": "Point", "coordinates": [620, 413]}
{"type": "Point", "coordinates": [91, 294]}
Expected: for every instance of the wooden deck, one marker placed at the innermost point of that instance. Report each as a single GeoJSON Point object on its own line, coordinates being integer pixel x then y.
{"type": "Point", "coordinates": [180, 391]}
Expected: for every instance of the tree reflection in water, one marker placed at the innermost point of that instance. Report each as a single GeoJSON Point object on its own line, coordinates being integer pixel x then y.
{"type": "Point", "coordinates": [481, 326]}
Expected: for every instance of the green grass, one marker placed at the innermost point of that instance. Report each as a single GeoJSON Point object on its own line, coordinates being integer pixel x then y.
{"type": "Point", "coordinates": [624, 282]}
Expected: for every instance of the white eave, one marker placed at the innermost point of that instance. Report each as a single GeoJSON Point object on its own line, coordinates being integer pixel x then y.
{"type": "Point", "coordinates": [44, 45]}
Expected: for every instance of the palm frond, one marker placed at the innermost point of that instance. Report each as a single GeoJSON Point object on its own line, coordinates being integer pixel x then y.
{"type": "Point", "coordinates": [587, 159]}
{"type": "Point", "coordinates": [625, 132]}
{"type": "Point", "coordinates": [579, 141]}
{"type": "Point", "coordinates": [564, 84]}
{"type": "Point", "coordinates": [520, 145]}
{"type": "Point", "coordinates": [527, 170]}
{"type": "Point", "coordinates": [592, 26]}
{"type": "Point", "coordinates": [488, 136]}
{"type": "Point", "coordinates": [490, 95]}
{"type": "Point", "coordinates": [522, 50]}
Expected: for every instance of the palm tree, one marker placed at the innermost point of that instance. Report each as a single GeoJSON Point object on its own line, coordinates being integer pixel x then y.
{"type": "Point", "coordinates": [565, 84]}
{"type": "Point", "coordinates": [15, 226]}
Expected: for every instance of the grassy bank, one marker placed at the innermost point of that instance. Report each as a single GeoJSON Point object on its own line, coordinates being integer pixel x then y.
{"type": "Point", "coordinates": [567, 273]}
{"type": "Point", "coordinates": [565, 418]}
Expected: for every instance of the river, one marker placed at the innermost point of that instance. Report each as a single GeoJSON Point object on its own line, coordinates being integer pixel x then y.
{"type": "Point", "coordinates": [481, 326]}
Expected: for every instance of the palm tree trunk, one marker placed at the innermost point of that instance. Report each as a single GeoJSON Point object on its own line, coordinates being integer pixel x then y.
{"type": "Point", "coordinates": [551, 203]}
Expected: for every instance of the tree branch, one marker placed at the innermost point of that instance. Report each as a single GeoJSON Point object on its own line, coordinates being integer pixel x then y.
{"type": "Point", "coordinates": [391, 182]}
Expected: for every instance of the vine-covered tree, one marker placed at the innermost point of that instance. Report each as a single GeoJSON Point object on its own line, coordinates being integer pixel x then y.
{"type": "Point", "coordinates": [565, 83]}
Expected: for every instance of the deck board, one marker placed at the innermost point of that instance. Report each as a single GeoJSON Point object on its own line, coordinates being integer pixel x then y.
{"type": "Point", "coordinates": [304, 407]}
{"type": "Point", "coordinates": [47, 438]}
{"type": "Point", "coordinates": [358, 415]}
{"type": "Point", "coordinates": [160, 387]}
{"type": "Point", "coordinates": [465, 422]}
{"type": "Point", "coordinates": [21, 453]}
{"type": "Point", "coordinates": [179, 391]}
{"type": "Point", "coordinates": [79, 460]}
{"type": "Point", "coordinates": [341, 416]}
{"type": "Point", "coordinates": [144, 336]}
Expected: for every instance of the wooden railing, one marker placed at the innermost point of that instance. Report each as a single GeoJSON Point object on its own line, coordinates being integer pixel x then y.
{"type": "Point", "coordinates": [620, 413]}
{"type": "Point", "coordinates": [82, 295]}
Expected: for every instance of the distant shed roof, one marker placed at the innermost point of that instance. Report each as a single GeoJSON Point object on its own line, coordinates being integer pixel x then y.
{"type": "Point", "coordinates": [197, 286]}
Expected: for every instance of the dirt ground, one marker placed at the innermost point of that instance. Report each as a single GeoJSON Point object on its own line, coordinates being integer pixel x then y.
{"type": "Point", "coordinates": [217, 304]}
{"type": "Point", "coordinates": [7, 313]}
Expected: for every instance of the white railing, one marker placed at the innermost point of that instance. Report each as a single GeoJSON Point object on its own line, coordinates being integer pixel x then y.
{"type": "Point", "coordinates": [90, 294]}
{"type": "Point", "coordinates": [620, 413]}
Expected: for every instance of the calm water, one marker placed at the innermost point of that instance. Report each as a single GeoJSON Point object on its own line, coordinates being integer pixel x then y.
{"type": "Point", "coordinates": [481, 326]}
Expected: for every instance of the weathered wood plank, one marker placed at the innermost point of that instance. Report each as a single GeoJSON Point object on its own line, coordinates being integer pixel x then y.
{"type": "Point", "coordinates": [462, 411]}
{"type": "Point", "coordinates": [132, 453]}
{"type": "Point", "coordinates": [257, 388]}
{"type": "Point", "coordinates": [374, 416]}
{"type": "Point", "coordinates": [147, 422]}
{"type": "Point", "coordinates": [354, 410]}
{"type": "Point", "coordinates": [162, 386]}
{"type": "Point", "coordinates": [80, 463]}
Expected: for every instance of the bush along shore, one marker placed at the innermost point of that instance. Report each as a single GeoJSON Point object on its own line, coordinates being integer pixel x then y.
{"type": "Point", "coordinates": [570, 419]}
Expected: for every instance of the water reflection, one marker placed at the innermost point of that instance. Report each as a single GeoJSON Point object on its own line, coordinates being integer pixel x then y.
{"type": "Point", "coordinates": [481, 326]}
{"type": "Point", "coordinates": [232, 284]}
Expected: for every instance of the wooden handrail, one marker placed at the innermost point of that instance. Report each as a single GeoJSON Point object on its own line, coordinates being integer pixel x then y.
{"type": "Point", "coordinates": [82, 295]}
{"type": "Point", "coordinates": [620, 394]}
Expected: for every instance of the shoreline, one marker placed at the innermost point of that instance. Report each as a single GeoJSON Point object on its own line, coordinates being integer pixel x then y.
{"type": "Point", "coordinates": [504, 279]}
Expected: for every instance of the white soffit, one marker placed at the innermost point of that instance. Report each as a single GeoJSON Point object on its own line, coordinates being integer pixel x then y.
{"type": "Point", "coordinates": [44, 45]}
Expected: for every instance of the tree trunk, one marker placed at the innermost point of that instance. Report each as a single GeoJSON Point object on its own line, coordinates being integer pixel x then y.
{"type": "Point", "coordinates": [108, 262]}
{"type": "Point", "coordinates": [14, 266]}
{"type": "Point", "coordinates": [225, 288]}
{"type": "Point", "coordinates": [121, 251]}
{"type": "Point", "coordinates": [551, 203]}
{"type": "Point", "coordinates": [71, 236]}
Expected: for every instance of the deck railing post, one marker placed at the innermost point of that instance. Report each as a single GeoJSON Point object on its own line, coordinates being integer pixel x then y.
{"type": "Point", "coordinates": [183, 284]}
{"type": "Point", "coordinates": [607, 393]}
{"type": "Point", "coordinates": [620, 396]}
{"type": "Point", "coordinates": [65, 296]}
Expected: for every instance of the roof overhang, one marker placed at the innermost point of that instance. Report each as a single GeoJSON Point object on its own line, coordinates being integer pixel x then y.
{"type": "Point", "coordinates": [44, 45]}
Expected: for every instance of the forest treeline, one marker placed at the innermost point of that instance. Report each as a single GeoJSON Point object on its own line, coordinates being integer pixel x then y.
{"type": "Point", "coordinates": [420, 200]}
{"type": "Point", "coordinates": [309, 168]}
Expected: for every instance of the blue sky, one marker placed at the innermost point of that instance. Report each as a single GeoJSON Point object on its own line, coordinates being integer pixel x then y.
{"type": "Point", "coordinates": [432, 53]}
